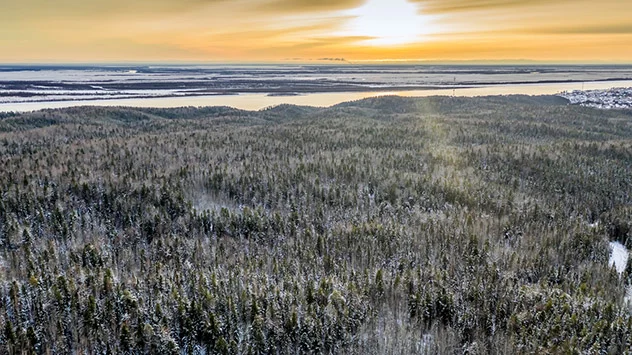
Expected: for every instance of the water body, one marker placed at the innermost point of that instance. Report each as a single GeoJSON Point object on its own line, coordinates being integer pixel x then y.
{"type": "Point", "coordinates": [259, 101]}
{"type": "Point", "coordinates": [26, 88]}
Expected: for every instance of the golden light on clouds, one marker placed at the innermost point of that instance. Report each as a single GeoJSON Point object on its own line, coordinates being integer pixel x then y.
{"type": "Point", "coordinates": [309, 30]}
{"type": "Point", "coordinates": [389, 23]}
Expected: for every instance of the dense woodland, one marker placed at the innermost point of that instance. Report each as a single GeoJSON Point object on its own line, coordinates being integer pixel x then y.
{"type": "Point", "coordinates": [383, 226]}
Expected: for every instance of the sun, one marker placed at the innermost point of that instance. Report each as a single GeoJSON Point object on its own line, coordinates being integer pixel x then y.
{"type": "Point", "coordinates": [388, 22]}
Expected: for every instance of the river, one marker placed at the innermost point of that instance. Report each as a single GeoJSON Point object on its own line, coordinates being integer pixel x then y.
{"type": "Point", "coordinates": [259, 100]}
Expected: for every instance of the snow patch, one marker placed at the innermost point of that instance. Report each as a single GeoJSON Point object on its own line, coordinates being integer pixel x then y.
{"type": "Point", "coordinates": [613, 98]}
{"type": "Point", "coordinates": [426, 344]}
{"type": "Point", "coordinates": [627, 299]}
{"type": "Point", "coordinates": [618, 256]}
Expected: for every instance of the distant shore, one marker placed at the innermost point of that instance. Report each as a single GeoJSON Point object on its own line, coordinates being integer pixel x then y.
{"type": "Point", "coordinates": [25, 88]}
{"type": "Point", "coordinates": [75, 83]}
{"type": "Point", "coordinates": [282, 91]}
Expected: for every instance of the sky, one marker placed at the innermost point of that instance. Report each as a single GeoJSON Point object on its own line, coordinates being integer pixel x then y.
{"type": "Point", "coordinates": [315, 31]}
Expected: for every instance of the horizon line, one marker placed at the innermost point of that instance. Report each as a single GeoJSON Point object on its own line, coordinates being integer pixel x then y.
{"type": "Point", "coordinates": [320, 62]}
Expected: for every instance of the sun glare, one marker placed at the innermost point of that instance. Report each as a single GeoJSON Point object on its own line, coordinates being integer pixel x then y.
{"type": "Point", "coordinates": [388, 22]}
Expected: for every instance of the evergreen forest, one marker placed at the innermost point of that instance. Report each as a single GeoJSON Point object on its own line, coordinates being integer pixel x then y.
{"type": "Point", "coordinates": [387, 225]}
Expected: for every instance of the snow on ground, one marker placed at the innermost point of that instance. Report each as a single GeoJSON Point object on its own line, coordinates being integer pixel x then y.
{"type": "Point", "coordinates": [615, 98]}
{"type": "Point", "coordinates": [618, 256]}
{"type": "Point", "coordinates": [425, 346]}
{"type": "Point", "coordinates": [627, 299]}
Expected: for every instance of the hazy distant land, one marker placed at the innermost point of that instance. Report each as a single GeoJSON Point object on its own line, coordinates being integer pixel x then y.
{"type": "Point", "coordinates": [67, 83]}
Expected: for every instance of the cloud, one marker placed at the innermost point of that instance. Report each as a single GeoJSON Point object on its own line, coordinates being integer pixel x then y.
{"type": "Point", "coordinates": [605, 29]}
{"type": "Point", "coordinates": [99, 8]}
{"type": "Point", "coordinates": [451, 6]}
{"type": "Point", "coordinates": [293, 6]}
{"type": "Point", "coordinates": [273, 29]}
{"type": "Point", "coordinates": [313, 47]}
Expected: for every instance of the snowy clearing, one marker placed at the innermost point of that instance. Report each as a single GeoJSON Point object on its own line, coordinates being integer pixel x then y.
{"type": "Point", "coordinates": [618, 256]}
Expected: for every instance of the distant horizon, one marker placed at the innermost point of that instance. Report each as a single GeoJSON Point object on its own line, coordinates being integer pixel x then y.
{"type": "Point", "coordinates": [203, 84]}
{"type": "Point", "coordinates": [523, 62]}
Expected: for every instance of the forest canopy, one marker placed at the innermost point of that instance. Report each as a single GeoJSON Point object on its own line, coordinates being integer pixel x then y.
{"type": "Point", "coordinates": [386, 225]}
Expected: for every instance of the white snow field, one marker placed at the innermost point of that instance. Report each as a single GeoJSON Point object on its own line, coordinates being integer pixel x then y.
{"type": "Point", "coordinates": [618, 256]}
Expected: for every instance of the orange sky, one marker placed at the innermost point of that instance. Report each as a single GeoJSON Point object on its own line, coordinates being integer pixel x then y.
{"type": "Point", "coordinates": [310, 30]}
